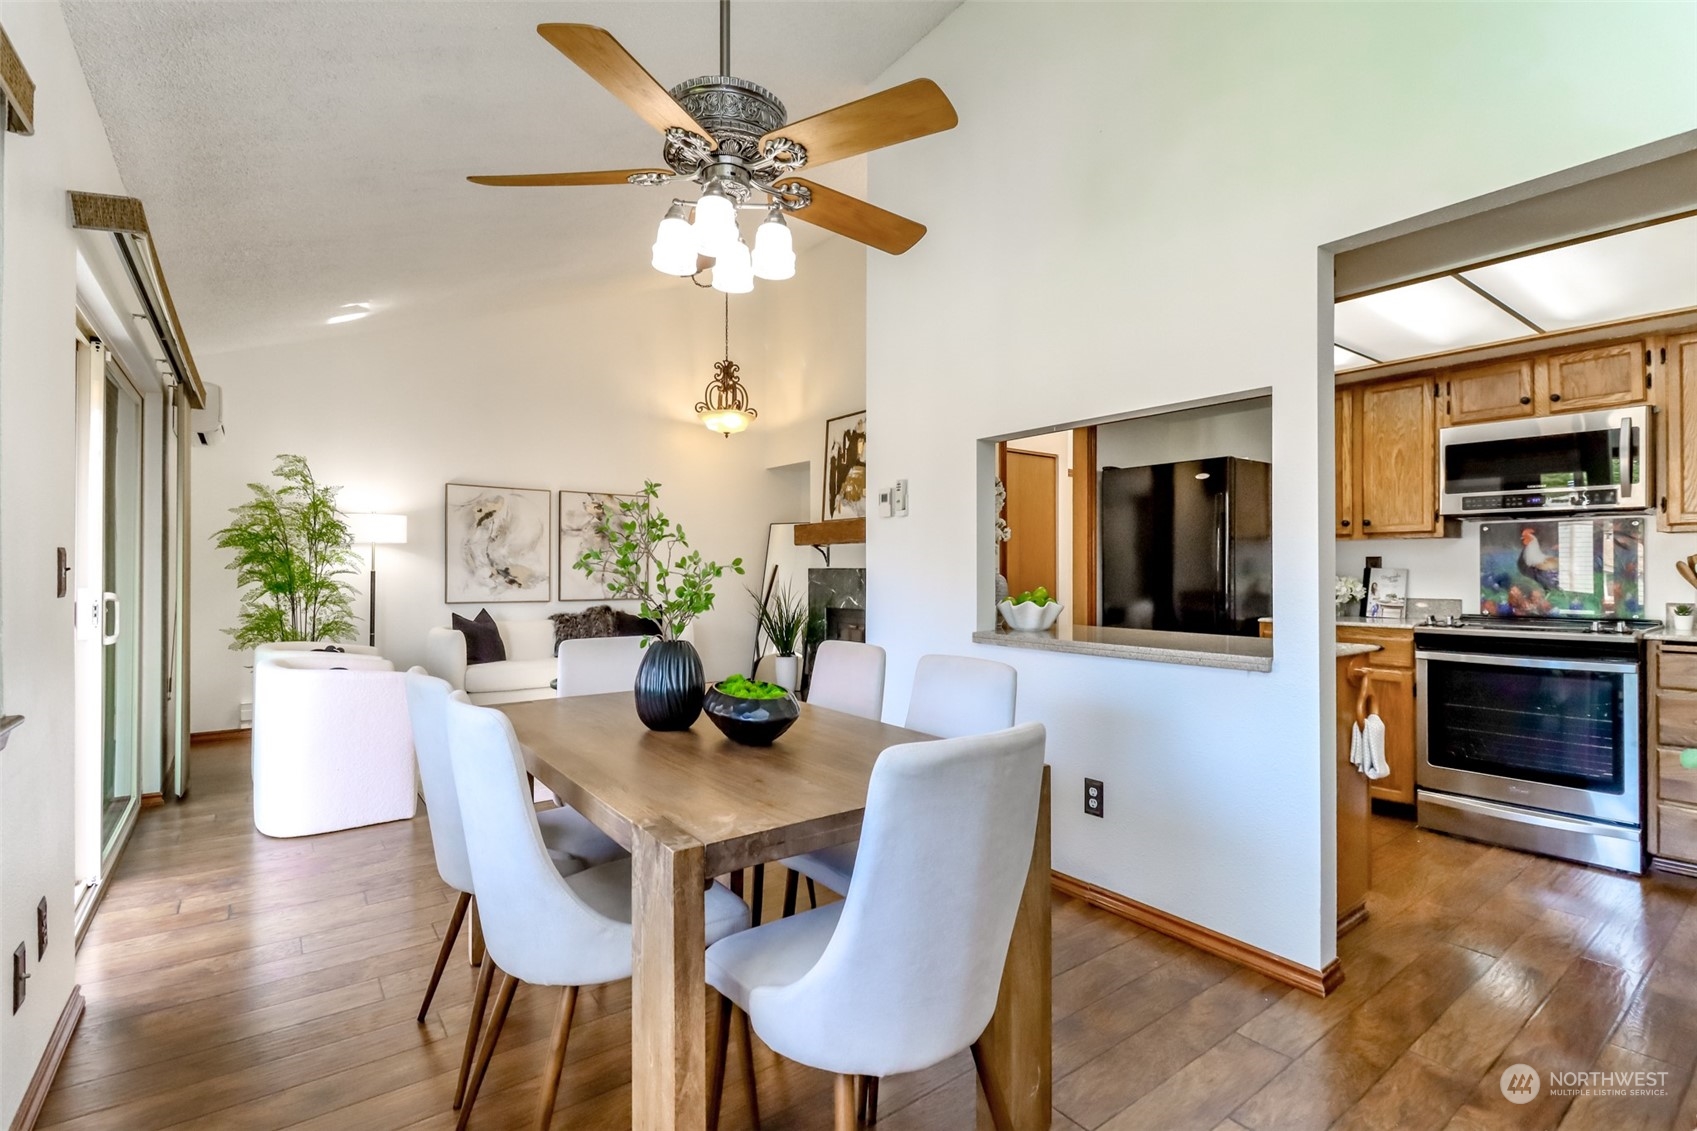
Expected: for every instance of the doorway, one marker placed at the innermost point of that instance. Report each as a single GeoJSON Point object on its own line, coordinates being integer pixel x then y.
{"type": "Point", "coordinates": [1029, 556]}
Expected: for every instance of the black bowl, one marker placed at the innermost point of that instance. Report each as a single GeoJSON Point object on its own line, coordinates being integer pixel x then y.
{"type": "Point", "coordinates": [752, 722]}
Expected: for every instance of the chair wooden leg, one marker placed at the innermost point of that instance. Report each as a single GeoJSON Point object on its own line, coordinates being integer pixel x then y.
{"type": "Point", "coordinates": [812, 895]}
{"type": "Point", "coordinates": [736, 882]}
{"type": "Point", "coordinates": [746, 1031]}
{"type": "Point", "coordinates": [859, 1100]}
{"type": "Point", "coordinates": [721, 1046]}
{"type": "Point", "coordinates": [870, 1115]}
{"type": "Point", "coordinates": [479, 1003]}
{"type": "Point", "coordinates": [476, 935]}
{"type": "Point", "coordinates": [759, 894]}
{"type": "Point", "coordinates": [844, 1097]}
{"type": "Point", "coordinates": [792, 883]}
{"type": "Point", "coordinates": [556, 1059]}
{"type": "Point", "coordinates": [486, 1048]}
{"type": "Point", "coordinates": [448, 939]}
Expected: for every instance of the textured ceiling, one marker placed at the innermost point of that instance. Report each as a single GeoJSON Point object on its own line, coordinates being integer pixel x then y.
{"type": "Point", "coordinates": [297, 156]}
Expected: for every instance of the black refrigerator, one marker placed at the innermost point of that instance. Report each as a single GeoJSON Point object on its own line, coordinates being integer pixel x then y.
{"type": "Point", "coordinates": [1187, 547]}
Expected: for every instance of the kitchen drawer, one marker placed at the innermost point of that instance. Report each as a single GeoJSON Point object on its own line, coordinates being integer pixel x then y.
{"type": "Point", "coordinates": [1676, 668]}
{"type": "Point", "coordinates": [1676, 719]}
{"type": "Point", "coordinates": [1677, 782]}
{"type": "Point", "coordinates": [1677, 832]}
{"type": "Point", "coordinates": [1398, 645]}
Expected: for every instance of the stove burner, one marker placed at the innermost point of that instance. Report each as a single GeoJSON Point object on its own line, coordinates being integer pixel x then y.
{"type": "Point", "coordinates": [1570, 626]}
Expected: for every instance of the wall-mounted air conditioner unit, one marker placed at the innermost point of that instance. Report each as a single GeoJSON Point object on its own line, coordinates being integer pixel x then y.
{"type": "Point", "coordinates": [208, 422]}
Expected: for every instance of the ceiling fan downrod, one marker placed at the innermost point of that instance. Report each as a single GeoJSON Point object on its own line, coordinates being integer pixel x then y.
{"type": "Point", "coordinates": [724, 37]}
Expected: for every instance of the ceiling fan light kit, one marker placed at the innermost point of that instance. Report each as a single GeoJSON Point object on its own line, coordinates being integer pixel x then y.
{"type": "Point", "coordinates": [733, 138]}
{"type": "Point", "coordinates": [724, 406]}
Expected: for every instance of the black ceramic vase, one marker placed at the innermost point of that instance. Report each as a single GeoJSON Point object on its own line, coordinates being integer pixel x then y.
{"type": "Point", "coordinates": [669, 685]}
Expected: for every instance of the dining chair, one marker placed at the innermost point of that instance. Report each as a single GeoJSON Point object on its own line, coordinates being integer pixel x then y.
{"type": "Point", "coordinates": [541, 927]}
{"type": "Point", "coordinates": [952, 696]}
{"type": "Point", "coordinates": [904, 971]}
{"type": "Point", "coordinates": [572, 843]}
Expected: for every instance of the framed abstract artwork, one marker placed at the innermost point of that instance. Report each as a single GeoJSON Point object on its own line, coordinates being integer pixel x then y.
{"type": "Point", "coordinates": [580, 511]}
{"type": "Point", "coordinates": [495, 544]}
{"type": "Point", "coordinates": [845, 467]}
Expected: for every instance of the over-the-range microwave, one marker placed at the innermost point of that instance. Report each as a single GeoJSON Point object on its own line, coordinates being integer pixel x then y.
{"type": "Point", "coordinates": [1581, 461]}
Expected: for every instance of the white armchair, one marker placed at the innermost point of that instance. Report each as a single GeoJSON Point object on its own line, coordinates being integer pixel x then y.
{"type": "Point", "coordinates": [332, 744]}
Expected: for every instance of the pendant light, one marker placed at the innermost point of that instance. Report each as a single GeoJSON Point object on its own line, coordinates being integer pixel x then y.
{"type": "Point", "coordinates": [723, 407]}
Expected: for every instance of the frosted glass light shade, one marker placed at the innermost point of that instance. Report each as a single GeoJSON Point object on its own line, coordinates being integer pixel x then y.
{"type": "Point", "coordinates": [733, 273]}
{"type": "Point", "coordinates": [674, 245]}
{"type": "Point", "coordinates": [715, 225]}
{"type": "Point", "coordinates": [378, 529]}
{"type": "Point", "coordinates": [725, 421]}
{"type": "Point", "coordinates": [774, 253]}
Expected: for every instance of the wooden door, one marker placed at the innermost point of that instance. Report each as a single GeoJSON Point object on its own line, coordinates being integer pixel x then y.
{"type": "Point", "coordinates": [1399, 462]}
{"type": "Point", "coordinates": [1345, 458]}
{"type": "Point", "coordinates": [1585, 380]}
{"type": "Point", "coordinates": [1679, 492]}
{"type": "Point", "coordinates": [1500, 391]}
{"type": "Point", "coordinates": [1032, 480]}
{"type": "Point", "coordinates": [1395, 690]}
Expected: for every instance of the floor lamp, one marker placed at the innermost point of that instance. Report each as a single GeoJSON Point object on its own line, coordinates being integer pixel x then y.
{"type": "Point", "coordinates": [375, 530]}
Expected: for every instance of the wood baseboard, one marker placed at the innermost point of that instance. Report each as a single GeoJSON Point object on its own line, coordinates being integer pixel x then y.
{"type": "Point", "coordinates": [220, 735]}
{"type": "Point", "coordinates": [1317, 982]}
{"type": "Point", "coordinates": [1352, 919]}
{"type": "Point", "coordinates": [152, 800]}
{"type": "Point", "coordinates": [42, 1082]}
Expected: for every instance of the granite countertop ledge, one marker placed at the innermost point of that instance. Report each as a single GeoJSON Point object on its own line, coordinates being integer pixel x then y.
{"type": "Point", "coordinates": [1187, 649]}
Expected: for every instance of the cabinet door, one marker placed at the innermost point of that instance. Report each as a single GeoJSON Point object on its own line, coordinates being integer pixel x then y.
{"type": "Point", "coordinates": [1680, 438]}
{"type": "Point", "coordinates": [1346, 458]}
{"type": "Point", "coordinates": [1395, 692]}
{"type": "Point", "coordinates": [1399, 462]}
{"type": "Point", "coordinates": [1502, 391]}
{"type": "Point", "coordinates": [1596, 378]}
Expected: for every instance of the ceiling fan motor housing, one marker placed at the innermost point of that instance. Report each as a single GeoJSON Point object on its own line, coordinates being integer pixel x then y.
{"type": "Point", "coordinates": [737, 113]}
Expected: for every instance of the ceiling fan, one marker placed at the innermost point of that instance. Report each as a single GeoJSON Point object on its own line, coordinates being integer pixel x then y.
{"type": "Point", "coordinates": [734, 139]}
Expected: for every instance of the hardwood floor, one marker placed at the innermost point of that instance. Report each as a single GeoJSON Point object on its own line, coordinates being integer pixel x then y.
{"type": "Point", "coordinates": [236, 982]}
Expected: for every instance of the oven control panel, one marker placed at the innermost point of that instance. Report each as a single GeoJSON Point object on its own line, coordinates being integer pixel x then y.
{"type": "Point", "coordinates": [1559, 499]}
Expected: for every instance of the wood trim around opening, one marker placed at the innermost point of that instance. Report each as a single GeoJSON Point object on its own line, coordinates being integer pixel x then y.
{"type": "Point", "coordinates": [1084, 525]}
{"type": "Point", "coordinates": [1306, 978]}
{"type": "Point", "coordinates": [220, 735]}
{"type": "Point", "coordinates": [42, 1082]}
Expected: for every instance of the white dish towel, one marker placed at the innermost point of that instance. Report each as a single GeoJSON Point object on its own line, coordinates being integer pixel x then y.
{"type": "Point", "coordinates": [1367, 747]}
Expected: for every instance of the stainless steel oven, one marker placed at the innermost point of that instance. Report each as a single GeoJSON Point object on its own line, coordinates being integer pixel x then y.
{"type": "Point", "coordinates": [1531, 738]}
{"type": "Point", "coordinates": [1582, 461]}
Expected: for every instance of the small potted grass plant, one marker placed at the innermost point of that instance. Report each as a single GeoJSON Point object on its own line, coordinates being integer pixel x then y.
{"type": "Point", "coordinates": [751, 712]}
{"type": "Point", "coordinates": [782, 619]}
{"type": "Point", "coordinates": [1683, 617]}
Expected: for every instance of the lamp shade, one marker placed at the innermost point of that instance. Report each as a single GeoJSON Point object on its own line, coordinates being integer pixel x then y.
{"type": "Point", "coordinates": [378, 529]}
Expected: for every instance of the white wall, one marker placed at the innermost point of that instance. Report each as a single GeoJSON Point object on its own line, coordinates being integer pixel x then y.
{"type": "Point", "coordinates": [1164, 247]}
{"type": "Point", "coordinates": [37, 509]}
{"type": "Point", "coordinates": [1238, 428]}
{"type": "Point", "coordinates": [587, 390]}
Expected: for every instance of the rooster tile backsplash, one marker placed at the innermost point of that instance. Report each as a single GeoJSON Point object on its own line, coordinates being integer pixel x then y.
{"type": "Point", "coordinates": [1588, 567]}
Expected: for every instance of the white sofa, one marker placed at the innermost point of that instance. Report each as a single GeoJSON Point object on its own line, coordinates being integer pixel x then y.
{"type": "Point", "coordinates": [531, 669]}
{"type": "Point", "coordinates": [332, 744]}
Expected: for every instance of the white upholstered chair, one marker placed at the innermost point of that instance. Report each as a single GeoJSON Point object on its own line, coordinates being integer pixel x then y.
{"type": "Point", "coordinates": [540, 927]}
{"type": "Point", "coordinates": [332, 747]}
{"type": "Point", "coordinates": [573, 844]}
{"type": "Point", "coordinates": [903, 972]}
{"type": "Point", "coordinates": [952, 696]}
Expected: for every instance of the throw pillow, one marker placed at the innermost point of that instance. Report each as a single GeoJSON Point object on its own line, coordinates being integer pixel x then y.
{"type": "Point", "coordinates": [629, 624]}
{"type": "Point", "coordinates": [482, 638]}
{"type": "Point", "coordinates": [591, 624]}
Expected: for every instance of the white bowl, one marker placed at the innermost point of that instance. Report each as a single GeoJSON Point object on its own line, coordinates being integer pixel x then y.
{"type": "Point", "coordinates": [1030, 617]}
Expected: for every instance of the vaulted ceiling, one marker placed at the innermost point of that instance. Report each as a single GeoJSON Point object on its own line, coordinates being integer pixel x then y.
{"type": "Point", "coordinates": [296, 156]}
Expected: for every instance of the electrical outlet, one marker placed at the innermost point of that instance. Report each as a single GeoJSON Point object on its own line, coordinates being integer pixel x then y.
{"type": "Point", "coordinates": [20, 976]}
{"type": "Point", "coordinates": [1093, 801]}
{"type": "Point", "coordinates": [41, 929]}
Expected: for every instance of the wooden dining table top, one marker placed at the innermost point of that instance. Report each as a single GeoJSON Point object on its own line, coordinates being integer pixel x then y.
{"type": "Point", "coordinates": [744, 804]}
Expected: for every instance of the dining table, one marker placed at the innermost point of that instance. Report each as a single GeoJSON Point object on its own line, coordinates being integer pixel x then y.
{"type": "Point", "coordinates": [691, 805]}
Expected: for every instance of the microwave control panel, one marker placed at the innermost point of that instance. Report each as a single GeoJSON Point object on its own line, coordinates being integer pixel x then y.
{"type": "Point", "coordinates": [1561, 499]}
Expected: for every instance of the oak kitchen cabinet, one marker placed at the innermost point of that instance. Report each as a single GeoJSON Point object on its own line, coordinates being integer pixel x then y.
{"type": "Point", "coordinates": [1590, 379]}
{"type": "Point", "coordinates": [1502, 390]}
{"type": "Point", "coordinates": [1387, 460]}
{"type": "Point", "coordinates": [1679, 433]}
{"type": "Point", "coordinates": [1673, 731]}
{"type": "Point", "coordinates": [1546, 383]}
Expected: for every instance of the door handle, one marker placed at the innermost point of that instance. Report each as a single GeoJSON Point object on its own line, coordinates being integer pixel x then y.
{"type": "Point", "coordinates": [110, 601]}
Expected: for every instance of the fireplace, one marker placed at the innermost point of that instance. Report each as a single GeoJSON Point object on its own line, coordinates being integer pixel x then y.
{"type": "Point", "coordinates": [845, 624]}
{"type": "Point", "coordinates": [836, 609]}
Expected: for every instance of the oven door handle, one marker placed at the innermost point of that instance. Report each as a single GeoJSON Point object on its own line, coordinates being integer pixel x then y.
{"type": "Point", "coordinates": [1546, 663]}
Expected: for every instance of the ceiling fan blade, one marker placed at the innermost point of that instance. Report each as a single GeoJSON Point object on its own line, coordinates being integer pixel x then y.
{"type": "Point", "coordinates": [549, 180]}
{"type": "Point", "coordinates": [849, 216]}
{"type": "Point", "coordinates": [889, 117]}
{"type": "Point", "coordinates": [603, 59]}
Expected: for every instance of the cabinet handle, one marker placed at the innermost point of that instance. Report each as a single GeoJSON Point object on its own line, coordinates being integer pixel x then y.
{"type": "Point", "coordinates": [1525, 400]}
{"type": "Point", "coordinates": [1555, 396]}
{"type": "Point", "coordinates": [1366, 522]}
{"type": "Point", "coordinates": [1345, 522]}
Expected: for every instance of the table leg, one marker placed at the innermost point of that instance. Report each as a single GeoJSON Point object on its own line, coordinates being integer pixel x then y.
{"type": "Point", "coordinates": [668, 980]}
{"type": "Point", "coordinates": [1015, 1056]}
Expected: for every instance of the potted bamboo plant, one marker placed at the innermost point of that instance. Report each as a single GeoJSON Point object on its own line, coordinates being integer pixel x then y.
{"type": "Point", "coordinates": [648, 560]}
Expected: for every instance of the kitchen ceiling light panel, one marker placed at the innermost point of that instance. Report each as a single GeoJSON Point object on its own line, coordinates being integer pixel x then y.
{"type": "Point", "coordinates": [1629, 275]}
{"type": "Point", "coordinates": [1344, 358]}
{"type": "Point", "coordinates": [1422, 318]}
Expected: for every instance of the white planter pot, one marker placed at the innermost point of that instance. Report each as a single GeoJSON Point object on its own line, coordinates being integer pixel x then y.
{"type": "Point", "coordinates": [786, 672]}
{"type": "Point", "coordinates": [1030, 617]}
{"type": "Point", "coordinates": [1683, 626]}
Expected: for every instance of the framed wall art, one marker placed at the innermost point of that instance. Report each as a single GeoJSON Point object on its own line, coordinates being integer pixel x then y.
{"type": "Point", "coordinates": [845, 467]}
{"type": "Point", "coordinates": [496, 544]}
{"type": "Point", "coordinates": [580, 511]}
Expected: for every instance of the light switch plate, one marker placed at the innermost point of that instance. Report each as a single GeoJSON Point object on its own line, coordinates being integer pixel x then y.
{"type": "Point", "coordinates": [898, 498]}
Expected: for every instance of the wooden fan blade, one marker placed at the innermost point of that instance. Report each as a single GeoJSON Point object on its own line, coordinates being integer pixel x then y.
{"type": "Point", "coordinates": [551, 180]}
{"type": "Point", "coordinates": [889, 117]}
{"type": "Point", "coordinates": [603, 59]}
{"type": "Point", "coordinates": [849, 216]}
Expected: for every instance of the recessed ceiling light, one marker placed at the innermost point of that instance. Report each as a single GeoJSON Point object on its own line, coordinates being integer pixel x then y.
{"type": "Point", "coordinates": [351, 312]}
